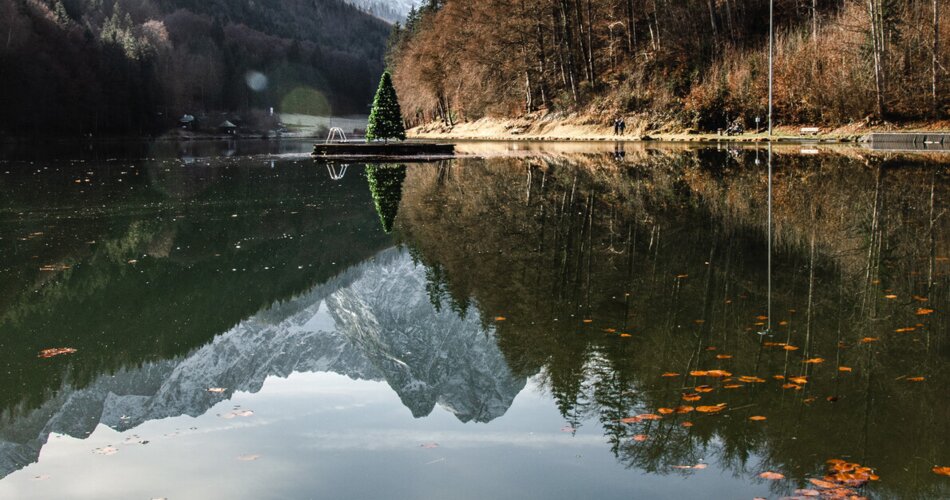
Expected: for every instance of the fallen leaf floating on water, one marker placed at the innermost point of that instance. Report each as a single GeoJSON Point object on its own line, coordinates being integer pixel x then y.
{"type": "Point", "coordinates": [798, 380]}
{"type": "Point", "coordinates": [790, 348]}
{"type": "Point", "coordinates": [691, 397]}
{"type": "Point", "coordinates": [751, 380]}
{"type": "Point", "coordinates": [683, 409]}
{"type": "Point", "coordinates": [732, 386]}
{"type": "Point", "coordinates": [849, 474]}
{"type": "Point", "coordinates": [923, 311]}
{"type": "Point", "coordinates": [703, 388]}
{"type": "Point", "coordinates": [844, 369]}
{"type": "Point", "coordinates": [710, 373]}
{"type": "Point", "coordinates": [610, 330]}
{"type": "Point", "coordinates": [500, 318]}
{"type": "Point", "coordinates": [814, 361]}
{"type": "Point", "coordinates": [774, 476]}
{"type": "Point", "coordinates": [757, 418]}
{"type": "Point", "coordinates": [723, 356]}
{"type": "Point", "coordinates": [823, 484]}
{"type": "Point", "coordinates": [916, 379]}
{"type": "Point", "coordinates": [868, 340]}
{"type": "Point", "coordinates": [107, 451]}
{"type": "Point", "coordinates": [907, 329]}
{"type": "Point", "coordinates": [248, 458]}
{"type": "Point", "coordinates": [625, 335]}
{"type": "Point", "coordinates": [941, 470]}
{"type": "Point", "coordinates": [693, 467]}
{"type": "Point", "coordinates": [681, 276]}
{"type": "Point", "coordinates": [664, 411]}
{"type": "Point", "coordinates": [640, 438]}
{"type": "Point", "coordinates": [711, 409]}
{"type": "Point", "coordinates": [918, 298]}
{"type": "Point", "coordinates": [670, 374]}
{"type": "Point", "coordinates": [890, 297]}
{"type": "Point", "coordinates": [588, 320]}
{"type": "Point", "coordinates": [808, 492]}
{"type": "Point", "coordinates": [792, 386]}
{"type": "Point", "coordinates": [783, 323]}
{"type": "Point", "coordinates": [687, 424]}
{"type": "Point", "coordinates": [59, 351]}
{"type": "Point", "coordinates": [217, 390]}
{"type": "Point", "coordinates": [238, 413]}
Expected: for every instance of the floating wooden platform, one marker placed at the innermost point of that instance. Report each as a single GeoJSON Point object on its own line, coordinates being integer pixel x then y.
{"type": "Point", "coordinates": [381, 151]}
{"type": "Point", "coordinates": [908, 141]}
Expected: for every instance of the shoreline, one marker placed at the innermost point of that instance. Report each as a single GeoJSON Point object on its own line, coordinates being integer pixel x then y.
{"type": "Point", "coordinates": [573, 128]}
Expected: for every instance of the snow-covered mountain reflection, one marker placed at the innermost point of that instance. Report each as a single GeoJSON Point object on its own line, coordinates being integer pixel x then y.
{"type": "Point", "coordinates": [373, 322]}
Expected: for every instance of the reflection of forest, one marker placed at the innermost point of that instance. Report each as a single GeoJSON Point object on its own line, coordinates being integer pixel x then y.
{"type": "Point", "coordinates": [670, 249]}
{"type": "Point", "coordinates": [147, 262]}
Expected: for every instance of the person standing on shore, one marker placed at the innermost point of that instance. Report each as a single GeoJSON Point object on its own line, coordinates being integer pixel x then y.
{"type": "Point", "coordinates": [616, 126]}
{"type": "Point", "coordinates": [622, 126]}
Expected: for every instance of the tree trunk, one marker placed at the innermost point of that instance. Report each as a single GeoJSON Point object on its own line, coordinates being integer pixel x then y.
{"type": "Point", "coordinates": [877, 41]}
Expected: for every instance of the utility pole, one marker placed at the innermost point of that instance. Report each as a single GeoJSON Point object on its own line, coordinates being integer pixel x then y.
{"type": "Point", "coordinates": [771, 60]}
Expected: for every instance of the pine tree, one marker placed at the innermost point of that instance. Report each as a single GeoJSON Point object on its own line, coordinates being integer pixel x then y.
{"type": "Point", "coordinates": [385, 120]}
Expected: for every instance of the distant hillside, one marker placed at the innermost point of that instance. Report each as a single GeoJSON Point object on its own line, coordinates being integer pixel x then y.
{"type": "Point", "coordinates": [134, 66]}
{"type": "Point", "coordinates": [393, 11]}
{"type": "Point", "coordinates": [675, 65]}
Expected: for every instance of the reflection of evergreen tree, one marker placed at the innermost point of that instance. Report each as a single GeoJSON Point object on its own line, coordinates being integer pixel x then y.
{"type": "Point", "coordinates": [385, 182]}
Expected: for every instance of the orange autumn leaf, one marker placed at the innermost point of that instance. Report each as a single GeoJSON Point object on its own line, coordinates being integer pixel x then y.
{"type": "Point", "coordinates": [790, 348]}
{"type": "Point", "coordinates": [890, 297]}
{"type": "Point", "coordinates": [718, 373]}
{"type": "Point", "coordinates": [916, 379]}
{"type": "Point", "coordinates": [783, 323]}
{"type": "Point", "coordinates": [687, 424]}
{"type": "Point", "coordinates": [823, 484]}
{"type": "Point", "coordinates": [610, 330]}
{"type": "Point", "coordinates": [723, 356]}
{"type": "Point", "coordinates": [814, 361]}
{"type": "Point", "coordinates": [699, 321]}
{"type": "Point", "coordinates": [757, 418]}
{"type": "Point", "coordinates": [732, 386]}
{"type": "Point", "coordinates": [683, 409]}
{"type": "Point", "coordinates": [918, 298]}
{"type": "Point", "coordinates": [761, 318]}
{"type": "Point", "coordinates": [844, 369]}
{"type": "Point", "coordinates": [751, 380]}
{"type": "Point", "coordinates": [774, 476]}
{"type": "Point", "coordinates": [664, 411]}
{"type": "Point", "coordinates": [500, 318]}
{"type": "Point", "coordinates": [703, 388]}
{"type": "Point", "coordinates": [691, 397]}
{"type": "Point", "coordinates": [711, 348]}
{"type": "Point", "coordinates": [588, 320]}
{"type": "Point", "coordinates": [923, 311]}
{"type": "Point", "coordinates": [792, 386]}
{"type": "Point", "coordinates": [798, 380]}
{"type": "Point", "coordinates": [58, 351]}
{"type": "Point", "coordinates": [640, 438]}
{"type": "Point", "coordinates": [698, 373]}
{"type": "Point", "coordinates": [907, 329]}
{"type": "Point", "coordinates": [649, 416]}
{"type": "Point", "coordinates": [711, 409]}
{"type": "Point", "coordinates": [868, 340]}
{"type": "Point", "coordinates": [681, 276]}
{"type": "Point", "coordinates": [626, 335]}
{"type": "Point", "coordinates": [942, 470]}
{"type": "Point", "coordinates": [670, 374]}
{"type": "Point", "coordinates": [778, 377]}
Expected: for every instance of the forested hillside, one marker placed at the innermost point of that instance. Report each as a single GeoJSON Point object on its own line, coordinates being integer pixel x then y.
{"type": "Point", "coordinates": [696, 64]}
{"type": "Point", "coordinates": [82, 67]}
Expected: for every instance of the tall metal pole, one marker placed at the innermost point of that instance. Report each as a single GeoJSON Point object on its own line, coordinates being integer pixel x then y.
{"type": "Point", "coordinates": [771, 56]}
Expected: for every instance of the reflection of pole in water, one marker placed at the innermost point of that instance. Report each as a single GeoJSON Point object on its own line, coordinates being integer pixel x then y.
{"type": "Point", "coordinates": [768, 328]}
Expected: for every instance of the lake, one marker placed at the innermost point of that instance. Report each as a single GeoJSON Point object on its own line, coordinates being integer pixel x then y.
{"type": "Point", "coordinates": [557, 321]}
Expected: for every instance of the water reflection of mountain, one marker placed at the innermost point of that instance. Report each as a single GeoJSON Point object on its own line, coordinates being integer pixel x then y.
{"type": "Point", "coordinates": [669, 248]}
{"type": "Point", "coordinates": [374, 322]}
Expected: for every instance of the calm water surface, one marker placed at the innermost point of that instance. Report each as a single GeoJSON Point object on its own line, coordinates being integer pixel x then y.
{"type": "Point", "coordinates": [532, 321]}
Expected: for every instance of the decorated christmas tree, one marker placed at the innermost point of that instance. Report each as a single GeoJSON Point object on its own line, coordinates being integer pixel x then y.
{"type": "Point", "coordinates": [385, 120]}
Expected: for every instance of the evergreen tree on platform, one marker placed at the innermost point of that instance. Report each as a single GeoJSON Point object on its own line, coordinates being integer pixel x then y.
{"type": "Point", "coordinates": [385, 120]}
